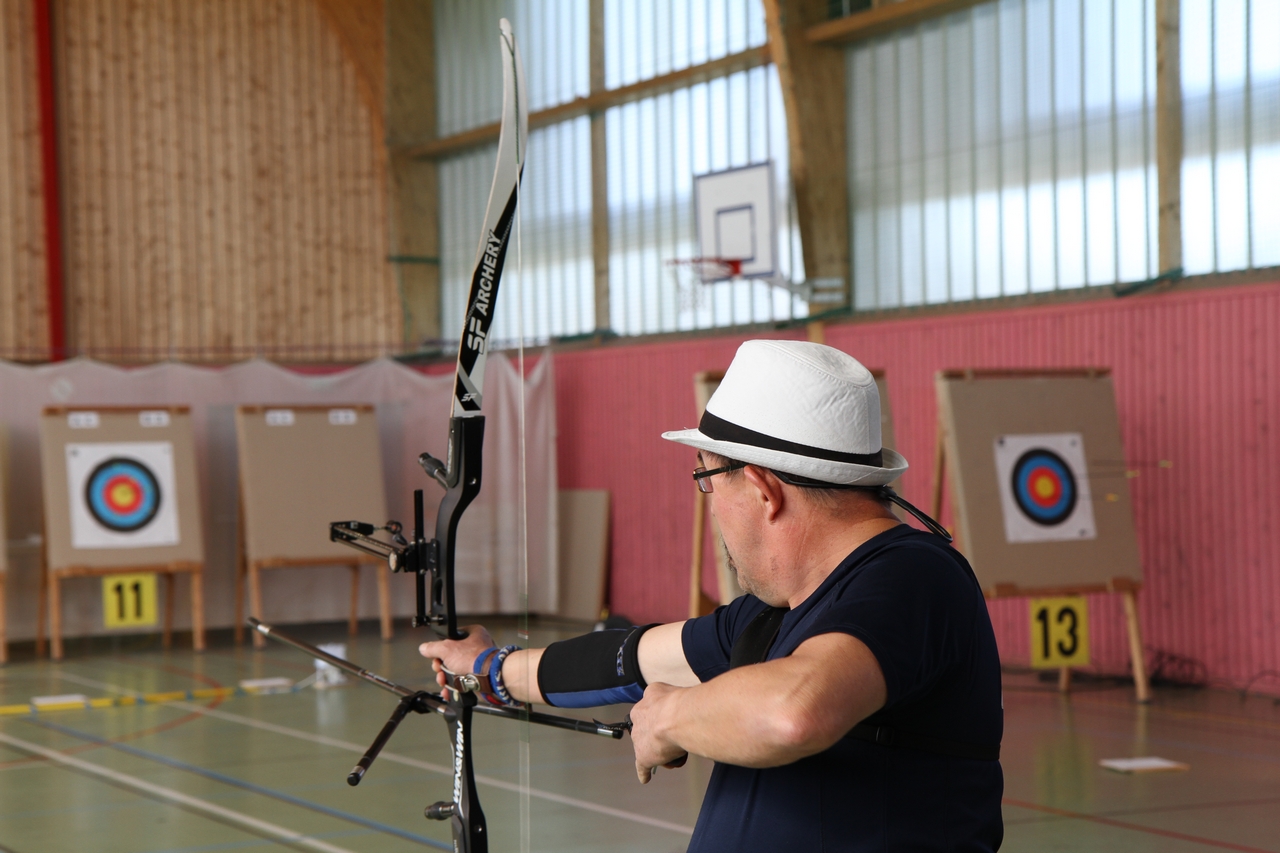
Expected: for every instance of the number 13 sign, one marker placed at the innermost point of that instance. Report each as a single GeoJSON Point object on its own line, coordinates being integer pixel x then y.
{"type": "Point", "coordinates": [1059, 632]}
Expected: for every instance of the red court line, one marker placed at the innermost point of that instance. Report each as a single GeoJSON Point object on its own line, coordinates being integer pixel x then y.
{"type": "Point", "coordinates": [162, 727]}
{"type": "Point", "coordinates": [1120, 824]}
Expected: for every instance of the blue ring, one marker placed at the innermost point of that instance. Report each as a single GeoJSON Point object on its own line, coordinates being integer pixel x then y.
{"type": "Point", "coordinates": [1062, 508]}
{"type": "Point", "coordinates": [112, 519]}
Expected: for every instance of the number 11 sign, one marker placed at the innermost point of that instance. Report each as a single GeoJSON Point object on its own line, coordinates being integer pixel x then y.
{"type": "Point", "coordinates": [1059, 632]}
{"type": "Point", "coordinates": [128, 601]}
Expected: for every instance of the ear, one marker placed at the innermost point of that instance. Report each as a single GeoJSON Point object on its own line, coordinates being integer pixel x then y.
{"type": "Point", "coordinates": [769, 488]}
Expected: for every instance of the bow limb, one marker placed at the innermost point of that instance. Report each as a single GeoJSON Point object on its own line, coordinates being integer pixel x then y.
{"type": "Point", "coordinates": [461, 475]}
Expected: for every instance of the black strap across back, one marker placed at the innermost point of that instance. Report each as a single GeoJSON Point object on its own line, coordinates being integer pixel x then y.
{"type": "Point", "coordinates": [752, 646]}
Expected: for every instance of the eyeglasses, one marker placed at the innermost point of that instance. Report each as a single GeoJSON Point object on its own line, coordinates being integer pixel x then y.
{"type": "Point", "coordinates": [702, 476]}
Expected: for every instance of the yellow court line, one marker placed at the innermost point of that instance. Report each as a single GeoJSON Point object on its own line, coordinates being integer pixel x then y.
{"type": "Point", "coordinates": [141, 699]}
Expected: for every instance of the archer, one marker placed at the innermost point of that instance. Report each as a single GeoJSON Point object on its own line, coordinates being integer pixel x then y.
{"type": "Point", "coordinates": [851, 700]}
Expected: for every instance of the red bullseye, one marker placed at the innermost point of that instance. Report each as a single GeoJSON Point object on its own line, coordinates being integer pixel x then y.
{"type": "Point", "coordinates": [1046, 488]}
{"type": "Point", "coordinates": [122, 494]}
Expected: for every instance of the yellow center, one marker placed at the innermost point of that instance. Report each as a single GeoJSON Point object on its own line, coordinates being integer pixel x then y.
{"type": "Point", "coordinates": [122, 494]}
{"type": "Point", "coordinates": [1044, 487]}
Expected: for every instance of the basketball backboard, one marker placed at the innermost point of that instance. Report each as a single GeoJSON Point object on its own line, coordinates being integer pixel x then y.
{"type": "Point", "coordinates": [734, 212]}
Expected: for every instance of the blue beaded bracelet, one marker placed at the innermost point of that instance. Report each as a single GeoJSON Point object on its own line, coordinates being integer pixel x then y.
{"type": "Point", "coordinates": [495, 677]}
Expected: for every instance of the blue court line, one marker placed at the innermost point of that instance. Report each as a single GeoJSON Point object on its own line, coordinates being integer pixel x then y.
{"type": "Point", "coordinates": [239, 783]}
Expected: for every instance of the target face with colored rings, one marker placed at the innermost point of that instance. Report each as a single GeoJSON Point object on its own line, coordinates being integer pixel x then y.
{"type": "Point", "coordinates": [122, 494]}
{"type": "Point", "coordinates": [1044, 487]}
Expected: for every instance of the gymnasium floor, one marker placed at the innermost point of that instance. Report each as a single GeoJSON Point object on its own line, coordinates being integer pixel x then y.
{"type": "Point", "coordinates": [70, 779]}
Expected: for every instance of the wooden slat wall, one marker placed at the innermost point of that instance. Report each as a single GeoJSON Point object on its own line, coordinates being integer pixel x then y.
{"type": "Point", "coordinates": [224, 182]}
{"type": "Point", "coordinates": [24, 323]}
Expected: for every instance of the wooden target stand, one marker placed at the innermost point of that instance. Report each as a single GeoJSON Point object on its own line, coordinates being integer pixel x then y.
{"type": "Point", "coordinates": [51, 592]}
{"type": "Point", "coordinates": [252, 571]}
{"type": "Point", "coordinates": [1127, 588]}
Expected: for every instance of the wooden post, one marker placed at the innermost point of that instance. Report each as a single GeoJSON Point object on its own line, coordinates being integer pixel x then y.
{"type": "Point", "coordinates": [384, 600]}
{"type": "Point", "coordinates": [255, 602]}
{"type": "Point", "coordinates": [813, 94]}
{"type": "Point", "coordinates": [599, 173]}
{"type": "Point", "coordinates": [241, 568]}
{"type": "Point", "coordinates": [1064, 680]}
{"type": "Point", "coordinates": [695, 570]}
{"type": "Point", "coordinates": [939, 470]}
{"type": "Point", "coordinates": [353, 620]}
{"type": "Point", "coordinates": [4, 637]}
{"type": "Point", "coordinates": [1169, 133]}
{"type": "Point", "coordinates": [170, 581]}
{"type": "Point", "coordinates": [1141, 684]}
{"type": "Point", "coordinates": [55, 617]}
{"type": "Point", "coordinates": [197, 608]}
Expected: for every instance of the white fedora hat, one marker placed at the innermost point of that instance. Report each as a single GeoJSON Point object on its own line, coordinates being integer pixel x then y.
{"type": "Point", "coordinates": [799, 408]}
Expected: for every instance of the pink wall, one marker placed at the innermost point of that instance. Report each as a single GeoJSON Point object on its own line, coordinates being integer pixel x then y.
{"type": "Point", "coordinates": [1197, 377]}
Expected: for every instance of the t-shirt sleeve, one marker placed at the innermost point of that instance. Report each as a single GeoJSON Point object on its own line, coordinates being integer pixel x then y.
{"type": "Point", "coordinates": [708, 640]}
{"type": "Point", "coordinates": [913, 607]}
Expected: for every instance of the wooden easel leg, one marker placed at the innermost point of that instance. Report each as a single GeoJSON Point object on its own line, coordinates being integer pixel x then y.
{"type": "Point", "coordinates": [55, 618]}
{"type": "Point", "coordinates": [4, 636]}
{"type": "Point", "coordinates": [939, 466]}
{"type": "Point", "coordinates": [1064, 680]}
{"type": "Point", "coordinates": [197, 609]}
{"type": "Point", "coordinates": [255, 603]}
{"type": "Point", "coordinates": [166, 639]}
{"type": "Point", "coordinates": [238, 629]}
{"type": "Point", "coordinates": [384, 600]}
{"type": "Point", "coordinates": [353, 621]}
{"type": "Point", "coordinates": [1141, 685]}
{"type": "Point", "coordinates": [695, 570]}
{"type": "Point", "coordinates": [42, 603]}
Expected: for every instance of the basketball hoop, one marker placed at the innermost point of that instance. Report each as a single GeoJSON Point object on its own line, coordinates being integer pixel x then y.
{"type": "Point", "coordinates": [692, 275]}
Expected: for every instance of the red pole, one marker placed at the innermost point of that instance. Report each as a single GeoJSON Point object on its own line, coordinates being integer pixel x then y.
{"type": "Point", "coordinates": [49, 170]}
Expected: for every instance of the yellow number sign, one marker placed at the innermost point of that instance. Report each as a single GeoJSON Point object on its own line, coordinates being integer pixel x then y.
{"type": "Point", "coordinates": [1059, 632]}
{"type": "Point", "coordinates": [128, 601]}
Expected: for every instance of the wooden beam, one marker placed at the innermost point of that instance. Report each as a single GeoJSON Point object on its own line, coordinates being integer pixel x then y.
{"type": "Point", "coordinates": [883, 19]}
{"type": "Point", "coordinates": [813, 94]}
{"type": "Point", "coordinates": [597, 102]}
{"type": "Point", "coordinates": [599, 173]}
{"type": "Point", "coordinates": [1169, 135]}
{"type": "Point", "coordinates": [415, 189]}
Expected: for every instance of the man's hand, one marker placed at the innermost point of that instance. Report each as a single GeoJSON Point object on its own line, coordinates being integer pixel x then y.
{"type": "Point", "coordinates": [457, 656]}
{"type": "Point", "coordinates": [648, 734]}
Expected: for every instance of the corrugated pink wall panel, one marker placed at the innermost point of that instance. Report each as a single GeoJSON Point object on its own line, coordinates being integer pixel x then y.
{"type": "Point", "coordinates": [1197, 378]}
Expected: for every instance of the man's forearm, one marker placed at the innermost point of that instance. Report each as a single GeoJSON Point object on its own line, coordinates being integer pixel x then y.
{"type": "Point", "coordinates": [773, 713]}
{"type": "Point", "coordinates": [520, 675]}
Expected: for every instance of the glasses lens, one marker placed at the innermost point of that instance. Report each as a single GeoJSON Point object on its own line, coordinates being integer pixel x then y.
{"type": "Point", "coordinates": [704, 483]}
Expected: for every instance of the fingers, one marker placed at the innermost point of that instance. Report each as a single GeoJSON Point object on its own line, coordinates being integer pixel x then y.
{"type": "Point", "coordinates": [644, 774]}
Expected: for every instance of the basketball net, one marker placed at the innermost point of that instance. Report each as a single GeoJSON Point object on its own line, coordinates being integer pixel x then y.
{"type": "Point", "coordinates": [693, 275]}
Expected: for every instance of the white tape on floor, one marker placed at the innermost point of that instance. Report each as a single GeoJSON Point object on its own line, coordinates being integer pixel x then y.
{"type": "Point", "coordinates": [442, 769]}
{"type": "Point", "coordinates": [253, 824]}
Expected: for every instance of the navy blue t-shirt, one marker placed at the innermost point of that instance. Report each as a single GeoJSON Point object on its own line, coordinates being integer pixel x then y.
{"type": "Point", "coordinates": [915, 603]}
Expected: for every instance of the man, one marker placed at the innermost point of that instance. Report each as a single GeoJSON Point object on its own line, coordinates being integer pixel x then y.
{"type": "Point", "coordinates": [851, 701]}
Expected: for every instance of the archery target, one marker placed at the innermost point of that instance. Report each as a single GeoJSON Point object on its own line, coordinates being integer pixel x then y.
{"type": "Point", "coordinates": [1044, 487]}
{"type": "Point", "coordinates": [122, 494]}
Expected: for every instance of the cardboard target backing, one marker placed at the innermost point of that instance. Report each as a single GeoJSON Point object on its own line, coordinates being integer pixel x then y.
{"type": "Point", "coordinates": [302, 467]}
{"type": "Point", "coordinates": [120, 487]}
{"type": "Point", "coordinates": [1037, 477]}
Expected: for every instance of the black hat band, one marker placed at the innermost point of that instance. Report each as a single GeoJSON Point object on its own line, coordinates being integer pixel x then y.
{"type": "Point", "coordinates": [721, 430]}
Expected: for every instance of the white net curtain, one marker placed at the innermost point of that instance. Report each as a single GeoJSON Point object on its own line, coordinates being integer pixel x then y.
{"type": "Point", "coordinates": [412, 410]}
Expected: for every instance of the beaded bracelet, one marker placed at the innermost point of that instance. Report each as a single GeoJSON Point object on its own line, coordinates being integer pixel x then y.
{"type": "Point", "coordinates": [495, 677]}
